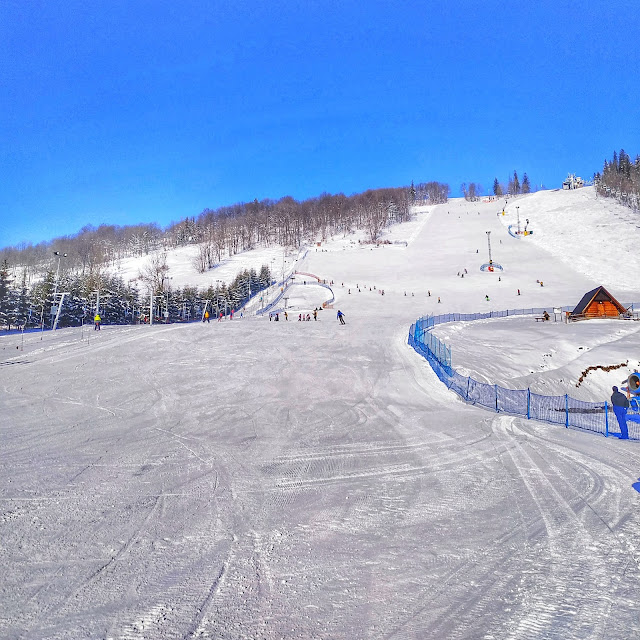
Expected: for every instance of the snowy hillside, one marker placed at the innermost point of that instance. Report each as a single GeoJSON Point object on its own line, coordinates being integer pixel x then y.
{"type": "Point", "coordinates": [261, 479]}
{"type": "Point", "coordinates": [593, 236]}
{"type": "Point", "coordinates": [588, 236]}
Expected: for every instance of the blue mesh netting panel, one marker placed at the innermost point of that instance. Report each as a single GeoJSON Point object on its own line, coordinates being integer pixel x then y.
{"type": "Point", "coordinates": [589, 416]}
{"type": "Point", "coordinates": [632, 426]}
{"type": "Point", "coordinates": [513, 401]}
{"type": "Point", "coordinates": [481, 393]}
{"type": "Point", "coordinates": [548, 408]}
{"type": "Point", "coordinates": [459, 384]}
{"type": "Point", "coordinates": [439, 370]}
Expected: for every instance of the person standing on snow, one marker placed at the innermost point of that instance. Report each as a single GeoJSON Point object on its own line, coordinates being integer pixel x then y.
{"type": "Point", "coordinates": [206, 317]}
{"type": "Point", "coordinates": [340, 317]}
{"type": "Point", "coordinates": [96, 322]}
{"type": "Point", "coordinates": [620, 404]}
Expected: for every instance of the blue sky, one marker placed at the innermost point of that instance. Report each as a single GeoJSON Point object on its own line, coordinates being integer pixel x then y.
{"type": "Point", "coordinates": [132, 111]}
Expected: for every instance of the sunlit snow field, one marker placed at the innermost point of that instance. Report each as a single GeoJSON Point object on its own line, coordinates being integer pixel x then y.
{"type": "Point", "coordinates": [544, 357]}
{"type": "Point", "coordinates": [254, 479]}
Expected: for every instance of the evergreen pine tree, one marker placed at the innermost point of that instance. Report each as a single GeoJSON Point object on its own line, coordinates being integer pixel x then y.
{"type": "Point", "coordinates": [625, 164]}
{"type": "Point", "coordinates": [265, 276]}
{"type": "Point", "coordinates": [254, 282]}
{"type": "Point", "coordinates": [40, 298]}
{"type": "Point", "coordinates": [526, 186]}
{"type": "Point", "coordinates": [516, 183]}
{"type": "Point", "coordinates": [497, 189]}
{"type": "Point", "coordinates": [22, 315]}
{"type": "Point", "coordinates": [5, 302]}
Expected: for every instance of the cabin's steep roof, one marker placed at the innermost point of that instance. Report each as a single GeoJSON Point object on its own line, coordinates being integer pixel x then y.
{"type": "Point", "coordinates": [599, 294]}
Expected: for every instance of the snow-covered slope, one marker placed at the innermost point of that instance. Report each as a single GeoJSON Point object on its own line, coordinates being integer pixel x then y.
{"type": "Point", "coordinates": [254, 479]}
{"type": "Point", "coordinates": [592, 235]}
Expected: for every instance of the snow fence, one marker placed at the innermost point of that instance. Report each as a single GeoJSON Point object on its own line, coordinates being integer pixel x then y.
{"type": "Point", "coordinates": [569, 412]}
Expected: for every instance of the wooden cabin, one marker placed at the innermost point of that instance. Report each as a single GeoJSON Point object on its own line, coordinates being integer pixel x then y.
{"type": "Point", "coordinates": [598, 303]}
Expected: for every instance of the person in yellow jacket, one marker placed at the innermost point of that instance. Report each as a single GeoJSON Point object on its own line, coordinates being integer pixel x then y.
{"type": "Point", "coordinates": [206, 317]}
{"type": "Point", "coordinates": [96, 322]}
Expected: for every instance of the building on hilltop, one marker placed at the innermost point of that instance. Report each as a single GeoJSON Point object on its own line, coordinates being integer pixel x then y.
{"type": "Point", "coordinates": [598, 303]}
{"type": "Point", "coordinates": [573, 182]}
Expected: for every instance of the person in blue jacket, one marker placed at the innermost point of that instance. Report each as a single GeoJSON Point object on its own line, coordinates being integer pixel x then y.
{"type": "Point", "coordinates": [340, 317]}
{"type": "Point", "coordinates": [620, 404]}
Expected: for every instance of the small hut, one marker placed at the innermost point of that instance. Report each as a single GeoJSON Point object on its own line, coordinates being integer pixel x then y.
{"type": "Point", "coordinates": [598, 303]}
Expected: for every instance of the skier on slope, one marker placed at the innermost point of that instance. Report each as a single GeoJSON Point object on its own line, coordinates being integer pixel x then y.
{"type": "Point", "coordinates": [340, 317]}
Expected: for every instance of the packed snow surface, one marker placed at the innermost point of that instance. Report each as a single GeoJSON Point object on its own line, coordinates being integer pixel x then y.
{"type": "Point", "coordinates": [262, 479]}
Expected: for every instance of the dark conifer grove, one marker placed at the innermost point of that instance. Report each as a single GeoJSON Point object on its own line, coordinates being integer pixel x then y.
{"type": "Point", "coordinates": [620, 179]}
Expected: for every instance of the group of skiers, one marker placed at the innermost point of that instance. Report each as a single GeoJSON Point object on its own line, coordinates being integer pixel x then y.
{"type": "Point", "coordinates": [302, 317]}
{"type": "Point", "coordinates": [364, 287]}
{"type": "Point", "coordinates": [207, 317]}
{"type": "Point", "coordinates": [305, 317]}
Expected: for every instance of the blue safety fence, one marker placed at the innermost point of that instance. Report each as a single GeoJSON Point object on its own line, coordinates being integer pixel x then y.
{"type": "Point", "coordinates": [565, 410]}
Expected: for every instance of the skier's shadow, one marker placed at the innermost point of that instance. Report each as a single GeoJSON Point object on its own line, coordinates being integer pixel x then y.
{"type": "Point", "coordinates": [636, 485]}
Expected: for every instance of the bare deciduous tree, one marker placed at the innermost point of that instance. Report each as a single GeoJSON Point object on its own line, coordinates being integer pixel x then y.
{"type": "Point", "coordinates": [155, 273]}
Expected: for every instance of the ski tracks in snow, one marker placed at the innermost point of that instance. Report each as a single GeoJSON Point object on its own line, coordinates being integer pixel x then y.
{"type": "Point", "coordinates": [569, 590]}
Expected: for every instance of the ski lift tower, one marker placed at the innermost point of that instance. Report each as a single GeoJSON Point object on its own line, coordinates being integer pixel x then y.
{"type": "Point", "coordinates": [58, 299]}
{"type": "Point", "coordinates": [490, 266]}
{"type": "Point", "coordinates": [516, 231]}
{"type": "Point", "coordinates": [60, 256]}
